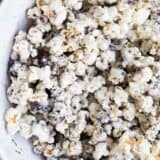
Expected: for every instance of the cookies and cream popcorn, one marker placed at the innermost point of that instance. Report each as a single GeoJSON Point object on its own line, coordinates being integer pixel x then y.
{"type": "Point", "coordinates": [85, 80]}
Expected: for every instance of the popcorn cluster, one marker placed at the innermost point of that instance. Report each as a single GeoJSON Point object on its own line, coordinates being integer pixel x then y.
{"type": "Point", "coordinates": [85, 80]}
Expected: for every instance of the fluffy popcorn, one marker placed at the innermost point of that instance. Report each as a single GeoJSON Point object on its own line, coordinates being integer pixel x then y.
{"type": "Point", "coordinates": [141, 16]}
{"type": "Point", "coordinates": [33, 13]}
{"type": "Point", "coordinates": [41, 131]}
{"type": "Point", "coordinates": [12, 118]}
{"type": "Point", "coordinates": [35, 36]}
{"type": "Point", "coordinates": [137, 88]}
{"type": "Point", "coordinates": [34, 74]}
{"type": "Point", "coordinates": [20, 94]}
{"type": "Point", "coordinates": [100, 150]}
{"type": "Point", "coordinates": [116, 75]}
{"type": "Point", "coordinates": [40, 97]}
{"type": "Point", "coordinates": [22, 49]}
{"type": "Point", "coordinates": [102, 43]}
{"type": "Point", "coordinates": [21, 71]}
{"type": "Point", "coordinates": [75, 4]}
{"type": "Point", "coordinates": [56, 45]}
{"type": "Point", "coordinates": [84, 80]}
{"type": "Point", "coordinates": [145, 75]}
{"type": "Point", "coordinates": [143, 147]}
{"type": "Point", "coordinates": [129, 112]}
{"type": "Point", "coordinates": [129, 54]}
{"type": "Point", "coordinates": [94, 84]}
{"type": "Point", "coordinates": [76, 88]}
{"type": "Point", "coordinates": [144, 61]}
{"type": "Point", "coordinates": [72, 148]}
{"type": "Point", "coordinates": [61, 127]}
{"type": "Point", "coordinates": [101, 94]}
{"type": "Point", "coordinates": [90, 57]}
{"type": "Point", "coordinates": [153, 132]}
{"type": "Point", "coordinates": [48, 152]}
{"type": "Point", "coordinates": [60, 17]}
{"type": "Point", "coordinates": [12, 128]}
{"type": "Point", "coordinates": [80, 68]}
{"type": "Point", "coordinates": [106, 14]}
{"type": "Point", "coordinates": [114, 30]}
{"type": "Point", "coordinates": [105, 58]}
{"type": "Point", "coordinates": [42, 74]}
{"type": "Point", "coordinates": [67, 79]}
{"type": "Point", "coordinates": [120, 96]}
{"type": "Point", "coordinates": [145, 104]}
{"type": "Point", "coordinates": [98, 135]}
{"type": "Point", "coordinates": [154, 89]}
{"type": "Point", "coordinates": [80, 126]}
{"type": "Point", "coordinates": [25, 124]}
{"type": "Point", "coordinates": [82, 22]}
{"type": "Point", "coordinates": [115, 112]}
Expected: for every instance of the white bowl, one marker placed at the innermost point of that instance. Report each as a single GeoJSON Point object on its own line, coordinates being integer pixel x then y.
{"type": "Point", "coordinates": [12, 18]}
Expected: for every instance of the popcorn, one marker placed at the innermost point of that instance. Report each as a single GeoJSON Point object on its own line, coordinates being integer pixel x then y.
{"type": "Point", "coordinates": [137, 88]}
{"type": "Point", "coordinates": [129, 54]}
{"type": "Point", "coordinates": [33, 13]}
{"type": "Point", "coordinates": [67, 79]}
{"type": "Point", "coordinates": [72, 148]}
{"type": "Point", "coordinates": [93, 109]}
{"type": "Point", "coordinates": [154, 89]}
{"type": "Point", "coordinates": [48, 152]}
{"type": "Point", "coordinates": [40, 97]}
{"type": "Point", "coordinates": [19, 92]}
{"type": "Point", "coordinates": [143, 147]}
{"type": "Point", "coordinates": [73, 4]}
{"type": "Point", "coordinates": [105, 59]}
{"type": "Point", "coordinates": [25, 124]}
{"type": "Point", "coordinates": [98, 134]}
{"type": "Point", "coordinates": [34, 74]}
{"type": "Point", "coordinates": [84, 80]}
{"type": "Point", "coordinates": [12, 118]}
{"type": "Point", "coordinates": [90, 58]}
{"type": "Point", "coordinates": [60, 17]}
{"type": "Point", "coordinates": [129, 112]}
{"type": "Point", "coordinates": [101, 150]}
{"type": "Point", "coordinates": [35, 35]}
{"type": "Point", "coordinates": [116, 75]}
{"type": "Point", "coordinates": [121, 96]}
{"type": "Point", "coordinates": [102, 43]}
{"type": "Point", "coordinates": [141, 16]}
{"type": "Point", "coordinates": [145, 104]}
{"type": "Point", "coordinates": [101, 94]}
{"type": "Point", "coordinates": [22, 49]}
{"type": "Point", "coordinates": [76, 88]}
{"type": "Point", "coordinates": [94, 84]}
{"type": "Point", "coordinates": [56, 45]}
{"type": "Point", "coordinates": [41, 131]}
{"type": "Point", "coordinates": [145, 75]}
{"type": "Point", "coordinates": [80, 68]}
{"type": "Point", "coordinates": [61, 127]}
{"type": "Point", "coordinates": [102, 15]}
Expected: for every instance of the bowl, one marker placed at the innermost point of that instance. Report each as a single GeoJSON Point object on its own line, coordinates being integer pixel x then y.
{"type": "Point", "coordinates": [12, 19]}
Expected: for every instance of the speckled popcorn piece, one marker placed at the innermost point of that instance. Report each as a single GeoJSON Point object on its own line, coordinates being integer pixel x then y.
{"type": "Point", "coordinates": [85, 80]}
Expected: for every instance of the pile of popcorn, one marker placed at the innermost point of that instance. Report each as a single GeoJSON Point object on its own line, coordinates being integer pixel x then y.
{"type": "Point", "coordinates": [85, 80]}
